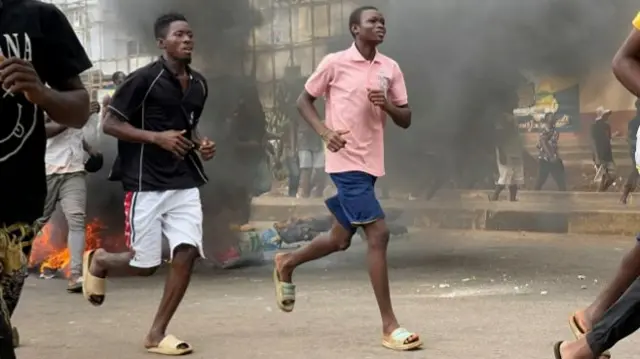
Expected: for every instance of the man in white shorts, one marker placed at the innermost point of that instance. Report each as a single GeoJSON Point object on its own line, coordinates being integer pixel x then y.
{"type": "Point", "coordinates": [509, 151]}
{"type": "Point", "coordinates": [154, 115]}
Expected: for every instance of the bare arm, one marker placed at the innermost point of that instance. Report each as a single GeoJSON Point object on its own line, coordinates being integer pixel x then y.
{"type": "Point", "coordinates": [401, 115]}
{"type": "Point", "coordinates": [124, 131]}
{"type": "Point", "coordinates": [626, 63]}
{"type": "Point", "coordinates": [67, 104]}
{"type": "Point", "coordinates": [52, 129]}
{"type": "Point", "coordinates": [309, 112]}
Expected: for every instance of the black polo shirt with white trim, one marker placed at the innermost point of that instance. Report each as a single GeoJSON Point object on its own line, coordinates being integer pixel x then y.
{"type": "Point", "coordinates": [152, 99]}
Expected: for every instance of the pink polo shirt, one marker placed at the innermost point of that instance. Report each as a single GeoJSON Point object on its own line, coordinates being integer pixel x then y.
{"type": "Point", "coordinates": [343, 79]}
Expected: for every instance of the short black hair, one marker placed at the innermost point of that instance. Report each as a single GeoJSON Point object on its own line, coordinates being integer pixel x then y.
{"type": "Point", "coordinates": [356, 16]}
{"type": "Point", "coordinates": [116, 75]}
{"type": "Point", "coordinates": [161, 26]}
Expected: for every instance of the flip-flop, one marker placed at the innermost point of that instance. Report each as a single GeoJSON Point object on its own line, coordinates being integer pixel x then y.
{"type": "Point", "coordinates": [93, 288]}
{"type": "Point", "coordinates": [556, 350]}
{"type": "Point", "coordinates": [285, 292]}
{"type": "Point", "coordinates": [172, 346]}
{"type": "Point", "coordinates": [579, 332]}
{"type": "Point", "coordinates": [397, 340]}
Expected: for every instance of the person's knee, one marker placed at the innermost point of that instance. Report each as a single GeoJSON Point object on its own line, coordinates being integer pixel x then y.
{"type": "Point", "coordinates": [76, 221]}
{"type": "Point", "coordinates": [378, 237]}
{"type": "Point", "coordinates": [185, 254]}
{"type": "Point", "coordinates": [341, 238]}
{"type": "Point", "coordinates": [146, 272]}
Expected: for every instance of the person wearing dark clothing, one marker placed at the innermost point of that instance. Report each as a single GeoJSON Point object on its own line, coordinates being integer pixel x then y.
{"type": "Point", "coordinates": [548, 159]}
{"type": "Point", "coordinates": [602, 153]}
{"type": "Point", "coordinates": [154, 115]}
{"type": "Point", "coordinates": [615, 314]}
{"type": "Point", "coordinates": [41, 59]}
{"type": "Point", "coordinates": [632, 133]}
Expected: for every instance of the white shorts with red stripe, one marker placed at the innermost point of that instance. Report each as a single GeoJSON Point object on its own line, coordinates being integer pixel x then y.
{"type": "Point", "coordinates": [151, 217]}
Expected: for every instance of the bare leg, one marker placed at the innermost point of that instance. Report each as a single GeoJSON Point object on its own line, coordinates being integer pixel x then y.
{"type": "Point", "coordinates": [378, 239]}
{"type": "Point", "coordinates": [627, 273]}
{"type": "Point", "coordinates": [176, 285]}
{"type": "Point", "coordinates": [105, 264]}
{"type": "Point", "coordinates": [305, 182]}
{"type": "Point", "coordinates": [338, 239]}
{"type": "Point", "coordinates": [319, 182]}
{"type": "Point", "coordinates": [578, 349]}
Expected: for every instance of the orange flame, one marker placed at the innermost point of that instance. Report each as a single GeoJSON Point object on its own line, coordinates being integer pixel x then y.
{"type": "Point", "coordinates": [53, 257]}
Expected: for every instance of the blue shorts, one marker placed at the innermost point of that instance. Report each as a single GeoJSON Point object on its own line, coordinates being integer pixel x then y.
{"type": "Point", "coordinates": [355, 204]}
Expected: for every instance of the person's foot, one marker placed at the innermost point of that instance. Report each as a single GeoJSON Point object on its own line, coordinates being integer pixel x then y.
{"type": "Point", "coordinates": [75, 284]}
{"type": "Point", "coordinates": [153, 339]}
{"type": "Point", "coordinates": [576, 350]}
{"type": "Point", "coordinates": [583, 319]}
{"type": "Point", "coordinates": [96, 267]}
{"type": "Point", "coordinates": [285, 272]}
{"type": "Point", "coordinates": [389, 329]}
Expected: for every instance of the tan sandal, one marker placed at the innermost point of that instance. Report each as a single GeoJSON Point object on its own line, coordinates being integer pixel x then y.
{"type": "Point", "coordinates": [399, 340]}
{"type": "Point", "coordinates": [93, 288]}
{"type": "Point", "coordinates": [579, 332]}
{"type": "Point", "coordinates": [171, 346]}
{"type": "Point", "coordinates": [285, 292]}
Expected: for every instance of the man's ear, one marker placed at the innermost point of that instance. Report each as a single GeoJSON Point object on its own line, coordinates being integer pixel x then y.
{"type": "Point", "coordinates": [160, 43]}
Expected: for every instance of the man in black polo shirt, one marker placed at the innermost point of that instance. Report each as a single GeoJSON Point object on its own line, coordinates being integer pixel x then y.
{"type": "Point", "coordinates": [154, 115]}
{"type": "Point", "coordinates": [38, 47]}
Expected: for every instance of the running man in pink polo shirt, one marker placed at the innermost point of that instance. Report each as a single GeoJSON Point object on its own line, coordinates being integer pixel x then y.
{"type": "Point", "coordinates": [615, 314]}
{"type": "Point", "coordinates": [361, 87]}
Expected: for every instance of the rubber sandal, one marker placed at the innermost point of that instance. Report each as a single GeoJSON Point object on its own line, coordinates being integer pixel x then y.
{"type": "Point", "coordinates": [397, 340]}
{"type": "Point", "coordinates": [285, 292]}
{"type": "Point", "coordinates": [93, 288]}
{"type": "Point", "coordinates": [579, 332]}
{"type": "Point", "coordinates": [172, 346]}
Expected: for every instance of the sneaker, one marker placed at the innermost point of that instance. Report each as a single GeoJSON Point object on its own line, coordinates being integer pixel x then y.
{"type": "Point", "coordinates": [75, 285]}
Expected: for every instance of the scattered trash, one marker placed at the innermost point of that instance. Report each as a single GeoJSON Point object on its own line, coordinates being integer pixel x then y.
{"type": "Point", "coordinates": [583, 287]}
{"type": "Point", "coordinates": [444, 285]}
{"type": "Point", "coordinates": [581, 277]}
{"type": "Point", "coordinates": [544, 292]}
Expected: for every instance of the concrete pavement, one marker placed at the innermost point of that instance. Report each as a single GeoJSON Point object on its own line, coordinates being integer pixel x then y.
{"type": "Point", "coordinates": [469, 294]}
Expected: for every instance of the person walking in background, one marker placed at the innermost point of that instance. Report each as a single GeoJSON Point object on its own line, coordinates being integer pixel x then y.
{"type": "Point", "coordinates": [602, 153]}
{"type": "Point", "coordinates": [509, 152]}
{"type": "Point", "coordinates": [311, 162]}
{"type": "Point", "coordinates": [615, 314]}
{"type": "Point", "coordinates": [41, 59]}
{"type": "Point", "coordinates": [361, 88]}
{"type": "Point", "coordinates": [549, 162]}
{"type": "Point", "coordinates": [632, 136]}
{"type": "Point", "coordinates": [66, 185]}
{"type": "Point", "coordinates": [290, 156]}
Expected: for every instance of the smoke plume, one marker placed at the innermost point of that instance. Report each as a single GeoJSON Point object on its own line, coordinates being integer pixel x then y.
{"type": "Point", "coordinates": [464, 60]}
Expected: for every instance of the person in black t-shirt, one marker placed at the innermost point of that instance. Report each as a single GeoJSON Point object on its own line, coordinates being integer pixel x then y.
{"type": "Point", "coordinates": [38, 47]}
{"type": "Point", "coordinates": [154, 114]}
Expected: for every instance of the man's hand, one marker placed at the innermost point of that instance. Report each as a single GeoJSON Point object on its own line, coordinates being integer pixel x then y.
{"type": "Point", "coordinates": [18, 75]}
{"type": "Point", "coordinates": [207, 149]}
{"type": "Point", "coordinates": [377, 98]}
{"type": "Point", "coordinates": [334, 139]}
{"type": "Point", "coordinates": [94, 107]}
{"type": "Point", "coordinates": [174, 142]}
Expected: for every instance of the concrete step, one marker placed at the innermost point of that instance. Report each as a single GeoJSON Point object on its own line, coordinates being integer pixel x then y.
{"type": "Point", "coordinates": [549, 212]}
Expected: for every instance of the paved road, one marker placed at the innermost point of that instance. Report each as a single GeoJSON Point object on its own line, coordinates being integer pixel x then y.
{"type": "Point", "coordinates": [480, 295]}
